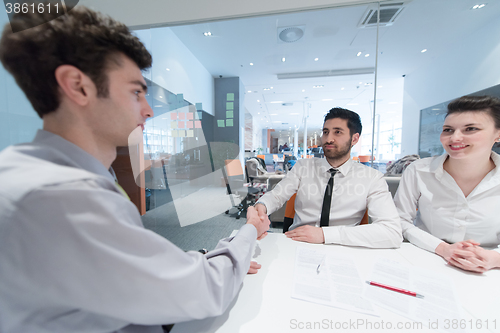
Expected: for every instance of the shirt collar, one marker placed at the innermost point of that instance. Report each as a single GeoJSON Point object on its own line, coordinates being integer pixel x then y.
{"type": "Point", "coordinates": [343, 169]}
{"type": "Point", "coordinates": [69, 154]}
{"type": "Point", "coordinates": [436, 165]}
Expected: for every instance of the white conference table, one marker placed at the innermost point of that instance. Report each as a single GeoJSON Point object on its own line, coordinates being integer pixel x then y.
{"type": "Point", "coordinates": [264, 303]}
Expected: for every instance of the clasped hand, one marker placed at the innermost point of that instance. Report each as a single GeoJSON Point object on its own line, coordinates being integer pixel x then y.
{"type": "Point", "coordinates": [469, 256]}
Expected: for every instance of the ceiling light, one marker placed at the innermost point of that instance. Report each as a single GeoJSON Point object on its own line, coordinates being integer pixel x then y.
{"type": "Point", "coordinates": [380, 86]}
{"type": "Point", "coordinates": [319, 86]}
{"type": "Point", "coordinates": [361, 83]}
{"type": "Point", "coordinates": [316, 59]}
{"type": "Point", "coordinates": [251, 64]}
{"type": "Point", "coordinates": [266, 89]}
{"type": "Point", "coordinates": [327, 99]}
{"type": "Point", "coordinates": [276, 102]}
{"type": "Point", "coordinates": [479, 6]}
{"type": "Point", "coordinates": [258, 101]}
{"type": "Point", "coordinates": [303, 90]}
{"type": "Point", "coordinates": [208, 33]}
{"type": "Point", "coordinates": [367, 55]}
{"type": "Point", "coordinates": [161, 96]}
{"type": "Point", "coordinates": [424, 50]}
{"type": "Point", "coordinates": [294, 114]}
{"type": "Point", "coordinates": [249, 91]}
{"type": "Point", "coordinates": [342, 88]}
{"type": "Point", "coordinates": [271, 87]}
{"type": "Point", "coordinates": [168, 69]}
{"type": "Point", "coordinates": [359, 53]}
{"type": "Point", "coordinates": [273, 114]}
{"type": "Point", "coordinates": [283, 59]}
{"type": "Point", "coordinates": [258, 112]}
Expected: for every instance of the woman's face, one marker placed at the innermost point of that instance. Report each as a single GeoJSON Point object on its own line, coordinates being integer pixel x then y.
{"type": "Point", "coordinates": [469, 134]}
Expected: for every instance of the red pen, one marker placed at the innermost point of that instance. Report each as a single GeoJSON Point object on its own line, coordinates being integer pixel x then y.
{"type": "Point", "coordinates": [398, 290]}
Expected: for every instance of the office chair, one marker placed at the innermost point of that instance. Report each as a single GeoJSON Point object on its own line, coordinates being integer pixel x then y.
{"type": "Point", "coordinates": [235, 184]}
{"type": "Point", "coordinates": [257, 173]}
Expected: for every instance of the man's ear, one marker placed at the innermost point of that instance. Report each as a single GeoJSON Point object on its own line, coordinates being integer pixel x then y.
{"type": "Point", "coordinates": [354, 139]}
{"type": "Point", "coordinates": [74, 84]}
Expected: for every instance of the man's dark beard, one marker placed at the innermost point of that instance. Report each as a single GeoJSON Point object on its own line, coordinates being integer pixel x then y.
{"type": "Point", "coordinates": [336, 154]}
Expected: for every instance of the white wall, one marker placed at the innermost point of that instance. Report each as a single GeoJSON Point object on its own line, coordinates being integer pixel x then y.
{"type": "Point", "coordinates": [186, 75]}
{"type": "Point", "coordinates": [18, 121]}
{"type": "Point", "coordinates": [256, 134]}
{"type": "Point", "coordinates": [468, 66]}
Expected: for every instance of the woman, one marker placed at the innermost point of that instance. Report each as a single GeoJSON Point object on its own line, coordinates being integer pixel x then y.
{"type": "Point", "coordinates": [449, 204]}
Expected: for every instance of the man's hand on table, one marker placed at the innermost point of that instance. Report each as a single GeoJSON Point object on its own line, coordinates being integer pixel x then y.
{"type": "Point", "coordinates": [307, 233]}
{"type": "Point", "coordinates": [254, 267]}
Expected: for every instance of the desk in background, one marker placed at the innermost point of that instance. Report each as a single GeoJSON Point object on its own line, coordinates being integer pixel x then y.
{"type": "Point", "coordinates": [264, 303]}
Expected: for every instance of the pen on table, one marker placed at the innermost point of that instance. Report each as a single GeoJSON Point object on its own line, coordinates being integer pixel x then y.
{"type": "Point", "coordinates": [319, 266]}
{"type": "Point", "coordinates": [398, 290]}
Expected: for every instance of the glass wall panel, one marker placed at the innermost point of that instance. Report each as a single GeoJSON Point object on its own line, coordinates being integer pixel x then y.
{"type": "Point", "coordinates": [284, 72]}
{"type": "Point", "coordinates": [435, 51]}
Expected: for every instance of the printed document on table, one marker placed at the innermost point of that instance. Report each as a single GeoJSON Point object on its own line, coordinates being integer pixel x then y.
{"type": "Point", "coordinates": [329, 279]}
{"type": "Point", "coordinates": [439, 305]}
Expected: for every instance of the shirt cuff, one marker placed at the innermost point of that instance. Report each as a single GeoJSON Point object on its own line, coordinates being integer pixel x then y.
{"type": "Point", "coordinates": [332, 235]}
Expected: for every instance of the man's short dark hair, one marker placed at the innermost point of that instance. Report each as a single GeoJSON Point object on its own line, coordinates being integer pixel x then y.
{"type": "Point", "coordinates": [82, 38]}
{"type": "Point", "coordinates": [488, 104]}
{"type": "Point", "coordinates": [353, 119]}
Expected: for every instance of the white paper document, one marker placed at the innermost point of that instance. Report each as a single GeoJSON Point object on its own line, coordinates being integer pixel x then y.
{"type": "Point", "coordinates": [438, 309]}
{"type": "Point", "coordinates": [325, 278]}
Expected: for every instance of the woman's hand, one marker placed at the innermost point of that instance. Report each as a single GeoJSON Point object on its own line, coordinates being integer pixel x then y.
{"type": "Point", "coordinates": [475, 259]}
{"type": "Point", "coordinates": [469, 256]}
{"type": "Point", "coordinates": [446, 250]}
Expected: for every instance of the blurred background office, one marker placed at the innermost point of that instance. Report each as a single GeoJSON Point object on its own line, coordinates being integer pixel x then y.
{"type": "Point", "coordinates": [261, 75]}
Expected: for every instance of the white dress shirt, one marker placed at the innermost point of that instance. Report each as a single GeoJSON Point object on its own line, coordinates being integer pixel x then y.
{"type": "Point", "coordinates": [75, 257]}
{"type": "Point", "coordinates": [356, 188]}
{"type": "Point", "coordinates": [444, 213]}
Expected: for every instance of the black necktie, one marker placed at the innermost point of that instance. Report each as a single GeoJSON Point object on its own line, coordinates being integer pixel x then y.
{"type": "Point", "coordinates": [327, 200]}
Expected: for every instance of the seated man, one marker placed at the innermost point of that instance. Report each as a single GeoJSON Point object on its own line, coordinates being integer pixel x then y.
{"type": "Point", "coordinates": [325, 216]}
{"type": "Point", "coordinates": [74, 254]}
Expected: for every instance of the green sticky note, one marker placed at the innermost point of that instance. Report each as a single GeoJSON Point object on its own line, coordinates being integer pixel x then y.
{"type": "Point", "coordinates": [229, 106]}
{"type": "Point", "coordinates": [230, 97]}
{"type": "Point", "coordinates": [229, 122]}
{"type": "Point", "coordinates": [229, 114]}
{"type": "Point", "coordinates": [220, 123]}
{"type": "Point", "coordinates": [174, 134]}
{"type": "Point", "coordinates": [190, 133]}
{"type": "Point", "coordinates": [173, 124]}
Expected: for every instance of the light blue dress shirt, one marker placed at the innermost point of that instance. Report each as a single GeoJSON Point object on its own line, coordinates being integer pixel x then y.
{"type": "Point", "coordinates": [75, 257]}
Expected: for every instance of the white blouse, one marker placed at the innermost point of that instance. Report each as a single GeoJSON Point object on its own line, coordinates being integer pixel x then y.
{"type": "Point", "coordinates": [433, 208]}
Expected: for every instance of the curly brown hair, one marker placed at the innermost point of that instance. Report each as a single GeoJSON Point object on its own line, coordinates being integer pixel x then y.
{"type": "Point", "coordinates": [82, 37]}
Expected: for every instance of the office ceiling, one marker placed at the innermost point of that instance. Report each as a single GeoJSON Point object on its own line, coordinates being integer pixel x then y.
{"type": "Point", "coordinates": [334, 37]}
